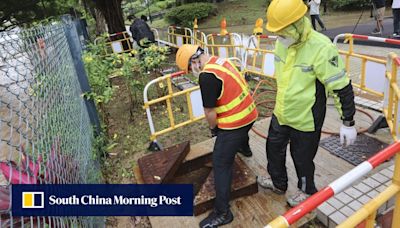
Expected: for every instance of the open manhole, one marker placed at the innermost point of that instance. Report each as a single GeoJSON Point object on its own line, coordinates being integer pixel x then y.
{"type": "Point", "coordinates": [364, 148]}
{"type": "Point", "coordinates": [168, 166]}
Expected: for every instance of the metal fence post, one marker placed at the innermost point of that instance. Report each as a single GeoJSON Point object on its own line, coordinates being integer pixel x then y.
{"type": "Point", "coordinates": [83, 35]}
{"type": "Point", "coordinates": [75, 48]}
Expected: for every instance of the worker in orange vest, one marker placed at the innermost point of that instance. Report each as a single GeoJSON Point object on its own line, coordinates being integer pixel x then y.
{"type": "Point", "coordinates": [230, 112]}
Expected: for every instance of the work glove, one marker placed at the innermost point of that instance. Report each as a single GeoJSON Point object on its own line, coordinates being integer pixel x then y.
{"type": "Point", "coordinates": [214, 131]}
{"type": "Point", "coordinates": [347, 135]}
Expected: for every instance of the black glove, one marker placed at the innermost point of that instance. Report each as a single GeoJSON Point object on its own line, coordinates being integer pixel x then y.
{"type": "Point", "coordinates": [214, 131]}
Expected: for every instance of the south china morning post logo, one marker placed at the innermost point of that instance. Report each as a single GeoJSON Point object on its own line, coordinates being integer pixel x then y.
{"type": "Point", "coordinates": [102, 200]}
{"type": "Point", "coordinates": [33, 200]}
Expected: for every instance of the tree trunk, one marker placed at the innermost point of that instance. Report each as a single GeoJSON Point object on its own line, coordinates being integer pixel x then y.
{"type": "Point", "coordinates": [112, 12]}
{"type": "Point", "coordinates": [100, 22]}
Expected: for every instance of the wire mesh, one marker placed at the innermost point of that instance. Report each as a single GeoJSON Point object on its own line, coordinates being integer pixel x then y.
{"type": "Point", "coordinates": [45, 132]}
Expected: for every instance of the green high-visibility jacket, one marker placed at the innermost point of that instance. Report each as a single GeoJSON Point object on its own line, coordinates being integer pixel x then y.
{"type": "Point", "coordinates": [298, 70]}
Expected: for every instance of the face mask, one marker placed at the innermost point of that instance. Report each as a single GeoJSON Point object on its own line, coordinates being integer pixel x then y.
{"type": "Point", "coordinates": [196, 70]}
{"type": "Point", "coordinates": [286, 41]}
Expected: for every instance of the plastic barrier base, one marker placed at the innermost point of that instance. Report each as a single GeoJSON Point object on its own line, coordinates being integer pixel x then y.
{"type": "Point", "coordinates": [379, 123]}
{"type": "Point", "coordinates": [155, 146]}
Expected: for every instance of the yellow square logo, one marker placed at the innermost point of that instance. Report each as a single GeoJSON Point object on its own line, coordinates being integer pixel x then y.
{"type": "Point", "coordinates": [32, 199]}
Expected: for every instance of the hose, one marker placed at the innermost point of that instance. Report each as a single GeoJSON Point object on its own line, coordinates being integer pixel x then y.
{"type": "Point", "coordinates": [271, 101]}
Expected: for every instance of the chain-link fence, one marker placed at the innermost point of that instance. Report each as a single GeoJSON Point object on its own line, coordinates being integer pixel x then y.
{"type": "Point", "coordinates": [46, 135]}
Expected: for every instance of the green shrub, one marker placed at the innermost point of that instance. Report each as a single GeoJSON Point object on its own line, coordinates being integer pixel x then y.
{"type": "Point", "coordinates": [162, 5]}
{"type": "Point", "coordinates": [170, 3]}
{"type": "Point", "coordinates": [348, 4]}
{"type": "Point", "coordinates": [153, 9]}
{"type": "Point", "coordinates": [132, 7]}
{"type": "Point", "coordinates": [185, 14]}
{"type": "Point", "coordinates": [165, 4]}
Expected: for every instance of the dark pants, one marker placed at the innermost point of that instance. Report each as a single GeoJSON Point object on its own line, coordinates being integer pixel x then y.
{"type": "Point", "coordinates": [303, 148]}
{"type": "Point", "coordinates": [226, 146]}
{"type": "Point", "coordinates": [316, 17]}
{"type": "Point", "coordinates": [396, 21]}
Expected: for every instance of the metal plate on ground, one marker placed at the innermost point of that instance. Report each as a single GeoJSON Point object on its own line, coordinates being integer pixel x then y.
{"type": "Point", "coordinates": [364, 147]}
{"type": "Point", "coordinates": [160, 167]}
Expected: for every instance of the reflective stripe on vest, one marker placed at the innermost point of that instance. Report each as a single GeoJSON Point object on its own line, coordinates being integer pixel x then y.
{"type": "Point", "coordinates": [233, 112]}
{"type": "Point", "coordinates": [237, 116]}
{"type": "Point", "coordinates": [238, 99]}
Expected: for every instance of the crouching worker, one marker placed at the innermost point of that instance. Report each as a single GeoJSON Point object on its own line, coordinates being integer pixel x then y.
{"type": "Point", "coordinates": [141, 32]}
{"type": "Point", "coordinates": [230, 112]}
{"type": "Point", "coordinates": [307, 68]}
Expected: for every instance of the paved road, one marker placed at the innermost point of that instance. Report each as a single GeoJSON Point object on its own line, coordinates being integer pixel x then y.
{"type": "Point", "coordinates": [366, 29]}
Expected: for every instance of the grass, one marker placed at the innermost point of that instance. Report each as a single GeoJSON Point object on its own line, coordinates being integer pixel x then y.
{"type": "Point", "coordinates": [236, 13]}
{"type": "Point", "coordinates": [159, 24]}
{"type": "Point", "coordinates": [241, 16]}
{"type": "Point", "coordinates": [153, 9]}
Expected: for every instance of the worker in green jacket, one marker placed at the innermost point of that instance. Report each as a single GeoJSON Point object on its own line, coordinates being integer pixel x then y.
{"type": "Point", "coordinates": [307, 68]}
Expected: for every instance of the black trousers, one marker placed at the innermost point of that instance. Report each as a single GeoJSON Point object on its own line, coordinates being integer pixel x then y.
{"type": "Point", "coordinates": [303, 148]}
{"type": "Point", "coordinates": [226, 146]}
{"type": "Point", "coordinates": [316, 18]}
{"type": "Point", "coordinates": [396, 21]}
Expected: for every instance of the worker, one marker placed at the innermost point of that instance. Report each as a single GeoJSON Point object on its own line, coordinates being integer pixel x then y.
{"type": "Point", "coordinates": [379, 13]}
{"type": "Point", "coordinates": [230, 112]}
{"type": "Point", "coordinates": [141, 32]}
{"type": "Point", "coordinates": [307, 68]}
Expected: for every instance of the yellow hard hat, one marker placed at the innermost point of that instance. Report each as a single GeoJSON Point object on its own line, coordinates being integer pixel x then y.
{"type": "Point", "coordinates": [282, 13]}
{"type": "Point", "coordinates": [183, 55]}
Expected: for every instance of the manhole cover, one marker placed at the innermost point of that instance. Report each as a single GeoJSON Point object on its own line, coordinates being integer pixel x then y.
{"type": "Point", "coordinates": [168, 166]}
{"type": "Point", "coordinates": [364, 148]}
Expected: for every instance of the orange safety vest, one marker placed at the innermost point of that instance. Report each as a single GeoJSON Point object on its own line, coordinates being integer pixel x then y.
{"type": "Point", "coordinates": [235, 106]}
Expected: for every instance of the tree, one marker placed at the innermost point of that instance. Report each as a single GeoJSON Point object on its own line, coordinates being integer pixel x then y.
{"type": "Point", "coordinates": [96, 15]}
{"type": "Point", "coordinates": [17, 13]}
{"type": "Point", "coordinates": [112, 12]}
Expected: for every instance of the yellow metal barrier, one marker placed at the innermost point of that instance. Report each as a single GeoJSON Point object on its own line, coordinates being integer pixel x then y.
{"type": "Point", "coordinates": [156, 36]}
{"type": "Point", "coordinates": [225, 46]}
{"type": "Point", "coordinates": [200, 39]}
{"type": "Point", "coordinates": [373, 68]}
{"type": "Point", "coordinates": [177, 36]}
{"type": "Point", "coordinates": [122, 42]}
{"type": "Point", "coordinates": [392, 95]}
{"type": "Point", "coordinates": [193, 99]}
{"type": "Point", "coordinates": [118, 43]}
{"type": "Point", "coordinates": [259, 56]}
